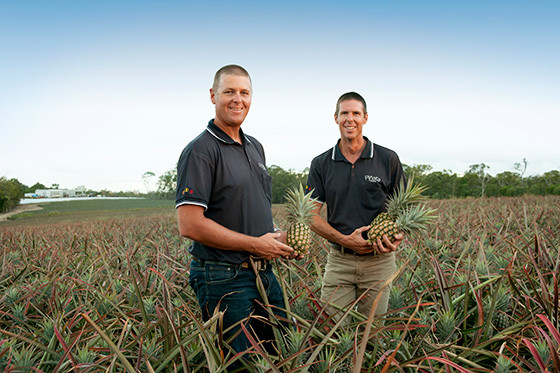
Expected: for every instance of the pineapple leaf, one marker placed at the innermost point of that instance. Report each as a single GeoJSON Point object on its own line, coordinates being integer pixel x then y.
{"type": "Point", "coordinates": [299, 205]}
{"type": "Point", "coordinates": [405, 195]}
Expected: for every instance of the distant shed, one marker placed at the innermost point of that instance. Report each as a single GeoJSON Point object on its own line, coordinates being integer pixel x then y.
{"type": "Point", "coordinates": [50, 193]}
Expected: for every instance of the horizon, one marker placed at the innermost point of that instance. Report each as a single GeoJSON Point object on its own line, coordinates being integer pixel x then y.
{"type": "Point", "coordinates": [97, 93]}
{"type": "Point", "coordinates": [156, 177]}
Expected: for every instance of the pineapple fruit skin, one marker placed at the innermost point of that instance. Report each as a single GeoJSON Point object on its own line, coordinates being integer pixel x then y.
{"type": "Point", "coordinates": [299, 208]}
{"type": "Point", "coordinates": [299, 237]}
{"type": "Point", "coordinates": [383, 224]}
{"type": "Point", "coordinates": [405, 213]}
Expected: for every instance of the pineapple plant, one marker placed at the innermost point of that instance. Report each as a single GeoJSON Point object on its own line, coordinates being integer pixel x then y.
{"type": "Point", "coordinates": [405, 213]}
{"type": "Point", "coordinates": [497, 308]}
{"type": "Point", "coordinates": [446, 327]}
{"type": "Point", "coordinates": [397, 298]}
{"type": "Point", "coordinates": [503, 365]}
{"type": "Point", "coordinates": [299, 214]}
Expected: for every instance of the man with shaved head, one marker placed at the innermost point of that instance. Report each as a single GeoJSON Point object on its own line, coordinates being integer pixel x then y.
{"type": "Point", "coordinates": [224, 205]}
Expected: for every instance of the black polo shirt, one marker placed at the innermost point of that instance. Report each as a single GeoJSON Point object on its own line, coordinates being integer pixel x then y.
{"type": "Point", "coordinates": [231, 182]}
{"type": "Point", "coordinates": [355, 193]}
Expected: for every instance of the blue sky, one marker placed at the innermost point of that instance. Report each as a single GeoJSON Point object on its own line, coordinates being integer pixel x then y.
{"type": "Point", "coordinates": [96, 93]}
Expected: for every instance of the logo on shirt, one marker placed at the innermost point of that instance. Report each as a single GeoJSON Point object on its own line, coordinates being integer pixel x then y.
{"type": "Point", "coordinates": [372, 179]}
{"type": "Point", "coordinates": [188, 191]}
{"type": "Point", "coordinates": [262, 166]}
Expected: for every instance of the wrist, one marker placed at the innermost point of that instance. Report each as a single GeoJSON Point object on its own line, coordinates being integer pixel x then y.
{"type": "Point", "coordinates": [343, 240]}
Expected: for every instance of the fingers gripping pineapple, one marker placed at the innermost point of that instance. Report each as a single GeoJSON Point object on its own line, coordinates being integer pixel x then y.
{"type": "Point", "coordinates": [405, 213]}
{"type": "Point", "coordinates": [299, 214]}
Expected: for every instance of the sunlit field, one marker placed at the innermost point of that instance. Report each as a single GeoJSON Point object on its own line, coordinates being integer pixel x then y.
{"type": "Point", "coordinates": [106, 290]}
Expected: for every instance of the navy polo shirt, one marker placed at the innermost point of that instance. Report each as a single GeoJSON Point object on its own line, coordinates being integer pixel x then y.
{"type": "Point", "coordinates": [231, 182]}
{"type": "Point", "coordinates": [355, 193]}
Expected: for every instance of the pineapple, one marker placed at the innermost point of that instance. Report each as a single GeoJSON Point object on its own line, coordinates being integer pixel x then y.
{"type": "Point", "coordinates": [405, 213]}
{"type": "Point", "coordinates": [299, 207]}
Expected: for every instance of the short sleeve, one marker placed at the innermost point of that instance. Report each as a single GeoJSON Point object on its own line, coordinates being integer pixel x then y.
{"type": "Point", "coordinates": [315, 182]}
{"type": "Point", "coordinates": [397, 174]}
{"type": "Point", "coordinates": [195, 173]}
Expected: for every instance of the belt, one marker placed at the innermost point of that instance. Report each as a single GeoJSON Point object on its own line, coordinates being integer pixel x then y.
{"type": "Point", "coordinates": [345, 250]}
{"type": "Point", "coordinates": [259, 264]}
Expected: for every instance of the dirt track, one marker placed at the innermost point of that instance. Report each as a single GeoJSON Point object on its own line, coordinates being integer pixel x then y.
{"type": "Point", "coordinates": [19, 209]}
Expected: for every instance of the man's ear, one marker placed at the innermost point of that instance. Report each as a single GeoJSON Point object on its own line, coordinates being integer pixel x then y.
{"type": "Point", "coordinates": [212, 94]}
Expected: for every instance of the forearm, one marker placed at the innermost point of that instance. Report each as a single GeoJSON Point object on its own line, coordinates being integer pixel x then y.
{"type": "Point", "coordinates": [325, 230]}
{"type": "Point", "coordinates": [210, 233]}
{"type": "Point", "coordinates": [354, 241]}
{"type": "Point", "coordinates": [194, 225]}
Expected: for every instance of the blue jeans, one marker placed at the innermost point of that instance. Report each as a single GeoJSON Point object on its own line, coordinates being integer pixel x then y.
{"type": "Point", "coordinates": [234, 290]}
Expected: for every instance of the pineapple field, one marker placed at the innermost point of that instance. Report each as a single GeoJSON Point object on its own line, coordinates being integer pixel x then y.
{"type": "Point", "coordinates": [475, 292]}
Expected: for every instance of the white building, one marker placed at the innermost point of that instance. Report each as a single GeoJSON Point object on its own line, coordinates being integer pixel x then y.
{"type": "Point", "coordinates": [55, 193]}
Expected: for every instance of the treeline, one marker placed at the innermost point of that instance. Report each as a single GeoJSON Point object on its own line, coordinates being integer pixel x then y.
{"type": "Point", "coordinates": [475, 182]}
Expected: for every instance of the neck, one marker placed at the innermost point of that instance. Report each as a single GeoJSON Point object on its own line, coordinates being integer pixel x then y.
{"type": "Point", "coordinates": [351, 149]}
{"type": "Point", "coordinates": [231, 131]}
{"type": "Point", "coordinates": [353, 146]}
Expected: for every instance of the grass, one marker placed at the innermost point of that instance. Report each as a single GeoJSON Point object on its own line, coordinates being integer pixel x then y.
{"type": "Point", "coordinates": [94, 209]}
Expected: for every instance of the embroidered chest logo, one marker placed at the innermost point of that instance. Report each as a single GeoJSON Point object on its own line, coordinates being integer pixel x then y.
{"type": "Point", "coordinates": [372, 179]}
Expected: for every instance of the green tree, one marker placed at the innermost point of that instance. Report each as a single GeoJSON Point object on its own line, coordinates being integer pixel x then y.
{"type": "Point", "coordinates": [418, 171]}
{"type": "Point", "coordinates": [548, 183]}
{"type": "Point", "coordinates": [506, 183]}
{"type": "Point", "coordinates": [521, 168]}
{"type": "Point", "coordinates": [441, 184]}
{"type": "Point", "coordinates": [34, 187]}
{"type": "Point", "coordinates": [284, 179]}
{"type": "Point", "coordinates": [11, 192]}
{"type": "Point", "coordinates": [146, 177]}
{"type": "Point", "coordinates": [552, 177]}
{"type": "Point", "coordinates": [167, 184]}
{"type": "Point", "coordinates": [476, 175]}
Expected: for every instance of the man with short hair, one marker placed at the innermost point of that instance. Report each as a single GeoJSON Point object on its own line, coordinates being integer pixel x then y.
{"type": "Point", "coordinates": [354, 179]}
{"type": "Point", "coordinates": [224, 205]}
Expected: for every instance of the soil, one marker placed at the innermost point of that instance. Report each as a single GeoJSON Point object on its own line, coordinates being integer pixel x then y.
{"type": "Point", "coordinates": [19, 209]}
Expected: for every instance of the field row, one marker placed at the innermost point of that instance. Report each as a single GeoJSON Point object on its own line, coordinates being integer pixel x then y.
{"type": "Point", "coordinates": [478, 292]}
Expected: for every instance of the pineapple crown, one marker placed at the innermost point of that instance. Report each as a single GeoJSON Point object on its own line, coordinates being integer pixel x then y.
{"type": "Point", "coordinates": [405, 195]}
{"type": "Point", "coordinates": [415, 218]}
{"type": "Point", "coordinates": [299, 205]}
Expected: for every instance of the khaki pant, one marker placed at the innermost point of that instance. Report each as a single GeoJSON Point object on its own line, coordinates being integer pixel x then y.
{"type": "Point", "coordinates": [348, 276]}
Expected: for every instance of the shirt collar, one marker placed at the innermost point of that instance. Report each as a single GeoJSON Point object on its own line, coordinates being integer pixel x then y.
{"type": "Point", "coordinates": [367, 153]}
{"type": "Point", "coordinates": [222, 136]}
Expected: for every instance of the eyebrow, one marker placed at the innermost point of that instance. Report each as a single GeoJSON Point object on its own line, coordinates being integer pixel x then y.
{"type": "Point", "coordinates": [233, 89]}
